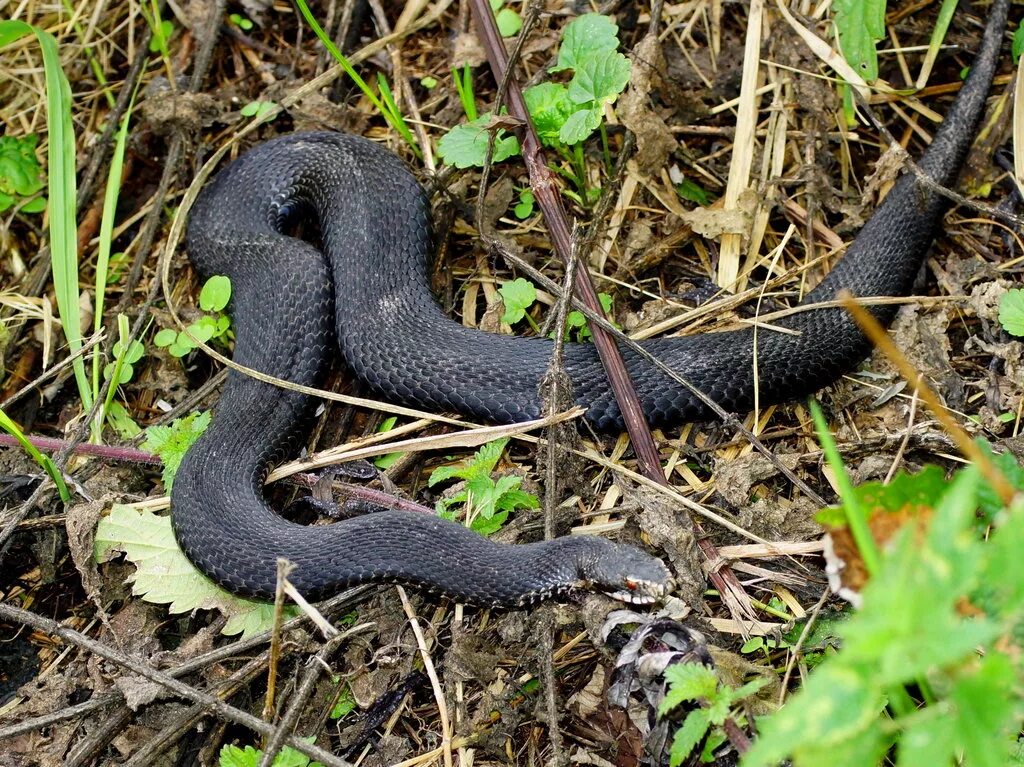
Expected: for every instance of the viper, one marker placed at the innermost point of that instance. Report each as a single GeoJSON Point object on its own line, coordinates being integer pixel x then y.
{"type": "Point", "coordinates": [360, 284]}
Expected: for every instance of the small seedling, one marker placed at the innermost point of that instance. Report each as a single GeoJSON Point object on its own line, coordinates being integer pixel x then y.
{"type": "Point", "coordinates": [488, 502]}
{"type": "Point", "coordinates": [21, 176]}
{"type": "Point", "coordinates": [257, 109]}
{"type": "Point", "coordinates": [524, 208]}
{"type": "Point", "coordinates": [213, 298]}
{"type": "Point", "coordinates": [509, 22]}
{"type": "Point", "coordinates": [695, 682]}
{"type": "Point", "coordinates": [1011, 312]}
{"type": "Point", "coordinates": [240, 21]}
{"type": "Point", "coordinates": [576, 326]}
{"type": "Point", "coordinates": [518, 296]}
{"type": "Point", "coordinates": [233, 756]}
{"type": "Point", "coordinates": [346, 702]}
{"type": "Point", "coordinates": [384, 462]}
{"type": "Point", "coordinates": [428, 82]}
{"type": "Point", "coordinates": [124, 361]}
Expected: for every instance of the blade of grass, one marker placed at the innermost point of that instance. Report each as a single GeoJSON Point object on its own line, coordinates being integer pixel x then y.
{"type": "Point", "coordinates": [394, 119]}
{"type": "Point", "coordinates": [946, 12]}
{"type": "Point", "coordinates": [110, 197]}
{"type": "Point", "coordinates": [855, 516]}
{"type": "Point", "coordinates": [61, 185]}
{"type": "Point", "coordinates": [44, 461]}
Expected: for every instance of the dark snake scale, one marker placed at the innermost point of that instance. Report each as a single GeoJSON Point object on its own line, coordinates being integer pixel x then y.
{"type": "Point", "coordinates": [365, 289]}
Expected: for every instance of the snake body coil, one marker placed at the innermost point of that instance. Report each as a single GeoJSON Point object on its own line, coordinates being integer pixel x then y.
{"type": "Point", "coordinates": [365, 287]}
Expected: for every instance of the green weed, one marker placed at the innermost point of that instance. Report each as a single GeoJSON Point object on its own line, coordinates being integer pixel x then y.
{"type": "Point", "coordinates": [213, 298]}
{"type": "Point", "coordinates": [1011, 312]}
{"type": "Point", "coordinates": [234, 756]}
{"type": "Point", "coordinates": [171, 442]}
{"type": "Point", "coordinates": [563, 115]}
{"type": "Point", "coordinates": [696, 683]}
{"type": "Point", "coordinates": [21, 176]}
{"type": "Point", "coordinates": [488, 502]}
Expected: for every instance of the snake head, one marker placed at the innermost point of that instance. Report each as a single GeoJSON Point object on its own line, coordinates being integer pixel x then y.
{"type": "Point", "coordinates": [627, 574]}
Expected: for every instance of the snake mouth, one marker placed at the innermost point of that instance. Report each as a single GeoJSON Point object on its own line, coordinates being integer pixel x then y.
{"type": "Point", "coordinates": [642, 592]}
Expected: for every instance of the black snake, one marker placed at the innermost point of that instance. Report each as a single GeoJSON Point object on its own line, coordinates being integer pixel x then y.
{"type": "Point", "coordinates": [364, 288]}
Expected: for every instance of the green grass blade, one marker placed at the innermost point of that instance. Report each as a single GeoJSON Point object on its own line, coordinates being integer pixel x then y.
{"type": "Point", "coordinates": [62, 187]}
{"type": "Point", "coordinates": [394, 119]}
{"type": "Point", "coordinates": [855, 516]}
{"type": "Point", "coordinates": [44, 461]}
{"type": "Point", "coordinates": [106, 235]}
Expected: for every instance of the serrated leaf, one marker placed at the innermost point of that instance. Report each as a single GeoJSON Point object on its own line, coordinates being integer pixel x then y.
{"type": "Point", "coordinates": [549, 107]}
{"type": "Point", "coordinates": [517, 295]}
{"type": "Point", "coordinates": [1011, 312]}
{"type": "Point", "coordinates": [171, 442]}
{"type": "Point", "coordinates": [465, 146]}
{"type": "Point", "coordinates": [579, 125]}
{"type": "Point", "coordinates": [689, 734]}
{"type": "Point", "coordinates": [600, 80]}
{"type": "Point", "coordinates": [687, 681]}
{"type": "Point", "coordinates": [587, 37]}
{"type": "Point", "coordinates": [216, 294]}
{"type": "Point", "coordinates": [164, 575]}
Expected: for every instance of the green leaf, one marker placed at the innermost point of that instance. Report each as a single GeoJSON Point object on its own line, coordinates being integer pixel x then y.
{"type": "Point", "coordinates": [171, 442]}
{"type": "Point", "coordinates": [215, 294]}
{"type": "Point", "coordinates": [517, 295]}
{"type": "Point", "coordinates": [1011, 312]}
{"type": "Point", "coordinates": [687, 681]}
{"type": "Point", "coordinates": [164, 575]}
{"type": "Point", "coordinates": [579, 125]}
{"type": "Point", "coordinates": [509, 22]}
{"type": "Point", "coordinates": [121, 421]}
{"type": "Point", "coordinates": [586, 38]}
{"type": "Point", "coordinates": [688, 736]}
{"type": "Point", "coordinates": [1017, 46]}
{"type": "Point", "coordinates": [345, 704]}
{"type": "Point", "coordinates": [428, 82]}
{"type": "Point", "coordinates": [549, 107]}
{"type": "Point", "coordinates": [158, 42]}
{"type": "Point", "coordinates": [599, 81]}
{"type": "Point", "coordinates": [860, 24]}
{"type": "Point", "coordinates": [987, 711]}
{"type": "Point", "coordinates": [693, 192]}
{"type": "Point", "coordinates": [182, 345]}
{"type": "Point", "coordinates": [524, 209]}
{"type": "Point", "coordinates": [165, 337]}
{"type": "Point", "coordinates": [257, 109]}
{"type": "Point", "coordinates": [465, 146]}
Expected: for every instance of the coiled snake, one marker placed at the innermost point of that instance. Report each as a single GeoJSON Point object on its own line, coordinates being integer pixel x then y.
{"type": "Point", "coordinates": [364, 289]}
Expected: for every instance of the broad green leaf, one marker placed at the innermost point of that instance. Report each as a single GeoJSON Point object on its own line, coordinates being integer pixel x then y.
{"type": "Point", "coordinates": [165, 337]}
{"type": "Point", "coordinates": [580, 125]}
{"type": "Point", "coordinates": [860, 23]}
{"type": "Point", "coordinates": [465, 146]}
{"type": "Point", "coordinates": [588, 37]}
{"type": "Point", "coordinates": [549, 107]}
{"type": "Point", "coordinates": [987, 710]}
{"type": "Point", "coordinates": [164, 574]}
{"type": "Point", "coordinates": [509, 22]}
{"type": "Point", "coordinates": [600, 80]}
{"type": "Point", "coordinates": [518, 295]}
{"type": "Point", "coordinates": [215, 294]}
{"type": "Point", "coordinates": [1011, 312]}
